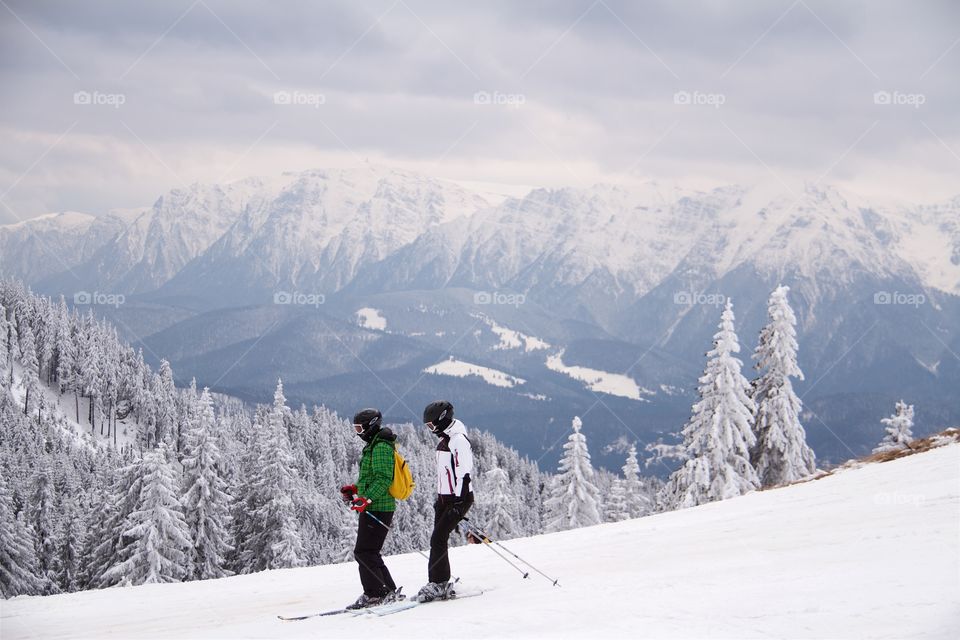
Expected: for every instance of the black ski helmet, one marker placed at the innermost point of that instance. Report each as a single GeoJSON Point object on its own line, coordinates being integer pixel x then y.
{"type": "Point", "coordinates": [438, 415]}
{"type": "Point", "coordinates": [369, 421]}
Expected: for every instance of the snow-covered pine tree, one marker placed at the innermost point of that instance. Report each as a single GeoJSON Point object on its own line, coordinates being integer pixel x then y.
{"type": "Point", "coordinates": [165, 393]}
{"type": "Point", "coordinates": [718, 437]}
{"type": "Point", "coordinates": [18, 569]}
{"type": "Point", "coordinates": [575, 500]}
{"type": "Point", "coordinates": [97, 551]}
{"type": "Point", "coordinates": [4, 352]}
{"type": "Point", "coordinates": [43, 519]}
{"type": "Point", "coordinates": [13, 339]}
{"type": "Point", "coordinates": [89, 366]}
{"type": "Point", "coordinates": [72, 541]}
{"type": "Point", "coordinates": [781, 453]}
{"type": "Point", "coordinates": [159, 534]}
{"type": "Point", "coordinates": [615, 503]}
{"type": "Point", "coordinates": [206, 503]}
{"type": "Point", "coordinates": [899, 428]}
{"type": "Point", "coordinates": [66, 353]}
{"type": "Point", "coordinates": [499, 502]}
{"type": "Point", "coordinates": [275, 541]}
{"type": "Point", "coordinates": [636, 498]}
{"type": "Point", "coordinates": [31, 370]}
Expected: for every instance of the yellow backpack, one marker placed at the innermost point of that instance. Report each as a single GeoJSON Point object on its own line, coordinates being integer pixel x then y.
{"type": "Point", "coordinates": [403, 484]}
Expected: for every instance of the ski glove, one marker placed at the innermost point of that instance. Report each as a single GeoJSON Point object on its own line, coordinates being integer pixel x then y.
{"type": "Point", "coordinates": [346, 493]}
{"type": "Point", "coordinates": [360, 504]}
{"type": "Point", "coordinates": [459, 507]}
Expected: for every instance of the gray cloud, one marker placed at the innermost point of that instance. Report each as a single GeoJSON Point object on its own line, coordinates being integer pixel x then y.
{"type": "Point", "coordinates": [598, 84]}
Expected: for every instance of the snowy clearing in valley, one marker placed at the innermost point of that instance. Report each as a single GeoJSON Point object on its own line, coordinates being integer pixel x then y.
{"type": "Point", "coordinates": [615, 384]}
{"type": "Point", "coordinates": [370, 318]}
{"type": "Point", "coordinates": [510, 339]}
{"type": "Point", "coordinates": [461, 369]}
{"type": "Point", "coordinates": [869, 552]}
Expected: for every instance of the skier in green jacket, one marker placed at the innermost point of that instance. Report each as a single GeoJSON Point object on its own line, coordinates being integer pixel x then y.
{"type": "Point", "coordinates": [370, 497]}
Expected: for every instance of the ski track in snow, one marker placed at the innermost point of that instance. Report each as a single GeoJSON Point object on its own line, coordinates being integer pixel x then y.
{"type": "Point", "coordinates": [868, 552]}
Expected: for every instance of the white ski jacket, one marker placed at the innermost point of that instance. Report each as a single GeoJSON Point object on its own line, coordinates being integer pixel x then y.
{"type": "Point", "coordinates": [454, 461]}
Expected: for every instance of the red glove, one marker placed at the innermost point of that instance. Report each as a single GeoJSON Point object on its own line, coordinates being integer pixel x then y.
{"type": "Point", "coordinates": [360, 504]}
{"type": "Point", "coordinates": [347, 492]}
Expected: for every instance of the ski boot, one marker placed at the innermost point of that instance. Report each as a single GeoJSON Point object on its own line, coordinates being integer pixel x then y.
{"type": "Point", "coordinates": [365, 601]}
{"type": "Point", "coordinates": [435, 591]}
{"type": "Point", "coordinates": [393, 596]}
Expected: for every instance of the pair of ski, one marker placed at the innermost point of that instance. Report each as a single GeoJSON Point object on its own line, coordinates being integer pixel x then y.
{"type": "Point", "coordinates": [384, 609]}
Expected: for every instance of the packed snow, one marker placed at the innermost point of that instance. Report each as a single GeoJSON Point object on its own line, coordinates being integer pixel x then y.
{"type": "Point", "coordinates": [615, 384]}
{"type": "Point", "coordinates": [461, 369]}
{"type": "Point", "coordinates": [869, 552]}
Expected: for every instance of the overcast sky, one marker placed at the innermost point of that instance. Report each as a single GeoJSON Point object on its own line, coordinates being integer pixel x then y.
{"type": "Point", "coordinates": [109, 104]}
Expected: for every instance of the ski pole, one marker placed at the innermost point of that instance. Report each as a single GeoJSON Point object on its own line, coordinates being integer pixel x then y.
{"type": "Point", "coordinates": [486, 539]}
{"type": "Point", "coordinates": [388, 528]}
{"type": "Point", "coordinates": [525, 574]}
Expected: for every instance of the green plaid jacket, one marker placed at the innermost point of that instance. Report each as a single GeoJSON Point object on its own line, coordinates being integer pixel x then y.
{"type": "Point", "coordinates": [376, 474]}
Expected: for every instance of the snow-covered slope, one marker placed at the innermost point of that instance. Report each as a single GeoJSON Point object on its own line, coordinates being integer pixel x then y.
{"type": "Point", "coordinates": [866, 553]}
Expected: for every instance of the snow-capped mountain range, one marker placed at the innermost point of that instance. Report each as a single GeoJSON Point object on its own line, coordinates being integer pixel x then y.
{"type": "Point", "coordinates": [394, 229]}
{"type": "Point", "coordinates": [625, 280]}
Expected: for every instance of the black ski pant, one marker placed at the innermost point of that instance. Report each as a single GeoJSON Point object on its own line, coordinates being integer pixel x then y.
{"type": "Point", "coordinates": [447, 513]}
{"type": "Point", "coordinates": [374, 575]}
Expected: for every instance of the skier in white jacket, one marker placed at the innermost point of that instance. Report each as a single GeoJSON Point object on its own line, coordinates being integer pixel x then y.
{"type": "Point", "coordinates": [454, 495]}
